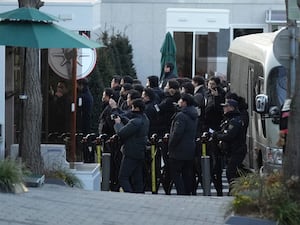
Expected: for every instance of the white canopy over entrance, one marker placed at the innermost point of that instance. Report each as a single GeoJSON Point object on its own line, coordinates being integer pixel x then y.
{"type": "Point", "coordinates": [201, 20]}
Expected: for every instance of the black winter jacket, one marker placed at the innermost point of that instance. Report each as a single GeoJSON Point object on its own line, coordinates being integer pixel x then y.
{"type": "Point", "coordinates": [232, 134]}
{"type": "Point", "coordinates": [182, 140]}
{"type": "Point", "coordinates": [214, 110]}
{"type": "Point", "coordinates": [134, 135]}
{"type": "Point", "coordinates": [167, 110]}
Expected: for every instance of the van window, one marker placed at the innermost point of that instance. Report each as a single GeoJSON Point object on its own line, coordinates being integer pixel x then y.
{"type": "Point", "coordinates": [277, 86]}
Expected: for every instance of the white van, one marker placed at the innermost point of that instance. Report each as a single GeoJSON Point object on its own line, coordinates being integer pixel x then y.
{"type": "Point", "coordinates": [255, 74]}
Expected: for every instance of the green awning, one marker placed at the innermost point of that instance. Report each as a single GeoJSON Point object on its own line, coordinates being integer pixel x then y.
{"type": "Point", "coordinates": [41, 35]}
{"type": "Point", "coordinates": [28, 27]}
{"type": "Point", "coordinates": [27, 14]}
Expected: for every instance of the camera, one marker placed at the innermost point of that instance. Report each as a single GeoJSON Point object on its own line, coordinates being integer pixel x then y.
{"type": "Point", "coordinates": [113, 116]}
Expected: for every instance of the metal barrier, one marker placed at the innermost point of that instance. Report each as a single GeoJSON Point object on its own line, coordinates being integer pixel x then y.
{"type": "Point", "coordinates": [88, 147]}
{"type": "Point", "coordinates": [100, 144]}
{"type": "Point", "coordinates": [106, 151]}
{"type": "Point", "coordinates": [205, 166]}
{"type": "Point", "coordinates": [79, 147]}
{"type": "Point", "coordinates": [113, 147]}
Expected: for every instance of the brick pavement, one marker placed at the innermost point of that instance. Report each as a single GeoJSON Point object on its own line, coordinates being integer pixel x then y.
{"type": "Point", "coordinates": [59, 205]}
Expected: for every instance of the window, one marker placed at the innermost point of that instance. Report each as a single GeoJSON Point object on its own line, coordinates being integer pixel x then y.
{"type": "Point", "coordinates": [184, 52]}
{"type": "Point", "coordinates": [277, 86]}
{"type": "Point", "coordinates": [198, 53]}
{"type": "Point", "coordinates": [237, 32]}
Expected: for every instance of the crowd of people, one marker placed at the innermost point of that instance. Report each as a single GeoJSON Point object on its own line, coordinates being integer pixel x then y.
{"type": "Point", "coordinates": [184, 109]}
{"type": "Point", "coordinates": [60, 107]}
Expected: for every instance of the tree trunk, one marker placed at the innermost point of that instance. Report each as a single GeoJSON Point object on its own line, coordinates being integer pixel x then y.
{"type": "Point", "coordinates": [291, 158]}
{"type": "Point", "coordinates": [292, 154]}
{"type": "Point", "coordinates": [32, 113]}
{"type": "Point", "coordinates": [30, 3]}
{"type": "Point", "coordinates": [31, 127]}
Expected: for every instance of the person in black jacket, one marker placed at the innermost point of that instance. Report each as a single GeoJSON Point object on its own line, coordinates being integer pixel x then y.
{"type": "Point", "coordinates": [215, 95]}
{"type": "Point", "coordinates": [60, 109]}
{"type": "Point", "coordinates": [134, 137]}
{"type": "Point", "coordinates": [85, 107]}
{"type": "Point", "coordinates": [106, 125]}
{"type": "Point", "coordinates": [168, 74]}
{"type": "Point", "coordinates": [153, 83]}
{"type": "Point", "coordinates": [182, 145]}
{"type": "Point", "coordinates": [231, 139]}
{"type": "Point", "coordinates": [115, 84]}
{"type": "Point", "coordinates": [199, 96]}
{"type": "Point", "coordinates": [148, 97]}
{"type": "Point", "coordinates": [166, 108]}
{"type": "Point", "coordinates": [243, 108]}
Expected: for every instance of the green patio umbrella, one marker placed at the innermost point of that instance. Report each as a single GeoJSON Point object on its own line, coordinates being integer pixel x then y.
{"type": "Point", "coordinates": [27, 14]}
{"type": "Point", "coordinates": [31, 28]}
{"type": "Point", "coordinates": [28, 27]}
{"type": "Point", "coordinates": [168, 54]}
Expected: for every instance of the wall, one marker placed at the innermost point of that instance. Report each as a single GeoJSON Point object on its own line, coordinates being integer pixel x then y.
{"type": "Point", "coordinates": [144, 22]}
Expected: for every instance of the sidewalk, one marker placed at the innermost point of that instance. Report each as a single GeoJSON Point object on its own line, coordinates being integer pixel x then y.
{"type": "Point", "coordinates": [60, 205]}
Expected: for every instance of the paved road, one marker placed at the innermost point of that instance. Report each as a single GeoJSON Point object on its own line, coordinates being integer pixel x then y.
{"type": "Point", "coordinates": [60, 205]}
{"type": "Point", "coordinates": [200, 190]}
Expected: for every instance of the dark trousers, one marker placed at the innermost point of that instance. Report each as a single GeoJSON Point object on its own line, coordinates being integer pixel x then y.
{"type": "Point", "coordinates": [182, 175]}
{"type": "Point", "coordinates": [234, 163]}
{"type": "Point", "coordinates": [131, 175]}
{"type": "Point", "coordinates": [216, 166]}
{"type": "Point", "coordinates": [216, 175]}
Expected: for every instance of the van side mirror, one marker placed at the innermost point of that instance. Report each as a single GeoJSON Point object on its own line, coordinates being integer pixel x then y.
{"type": "Point", "coordinates": [261, 103]}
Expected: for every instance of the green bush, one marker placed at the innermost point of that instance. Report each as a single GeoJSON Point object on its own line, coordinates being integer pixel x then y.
{"type": "Point", "coordinates": [116, 58]}
{"type": "Point", "coordinates": [288, 212]}
{"type": "Point", "coordinates": [11, 173]}
{"type": "Point", "coordinates": [267, 196]}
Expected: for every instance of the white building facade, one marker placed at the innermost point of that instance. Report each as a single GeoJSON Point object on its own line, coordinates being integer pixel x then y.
{"type": "Point", "coordinates": [201, 47]}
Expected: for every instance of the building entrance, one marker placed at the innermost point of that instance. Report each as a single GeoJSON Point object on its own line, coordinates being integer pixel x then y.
{"type": "Point", "coordinates": [202, 37]}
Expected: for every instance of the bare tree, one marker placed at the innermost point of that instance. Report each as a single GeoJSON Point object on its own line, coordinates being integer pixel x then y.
{"type": "Point", "coordinates": [31, 125]}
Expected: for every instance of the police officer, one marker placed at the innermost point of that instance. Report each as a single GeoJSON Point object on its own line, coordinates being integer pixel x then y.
{"type": "Point", "coordinates": [231, 139]}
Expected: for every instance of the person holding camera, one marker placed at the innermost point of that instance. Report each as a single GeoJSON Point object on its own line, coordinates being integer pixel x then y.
{"type": "Point", "coordinates": [213, 117]}
{"type": "Point", "coordinates": [134, 137]}
{"type": "Point", "coordinates": [215, 95]}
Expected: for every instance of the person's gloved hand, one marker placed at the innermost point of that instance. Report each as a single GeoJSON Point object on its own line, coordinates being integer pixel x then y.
{"type": "Point", "coordinates": [214, 135]}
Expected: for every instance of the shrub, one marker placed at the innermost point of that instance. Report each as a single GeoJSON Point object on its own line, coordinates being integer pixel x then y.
{"type": "Point", "coordinates": [11, 173]}
{"type": "Point", "coordinates": [267, 196]}
{"type": "Point", "coordinates": [67, 176]}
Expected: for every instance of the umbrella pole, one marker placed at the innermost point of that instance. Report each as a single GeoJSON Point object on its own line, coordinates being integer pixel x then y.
{"type": "Point", "coordinates": [74, 103]}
